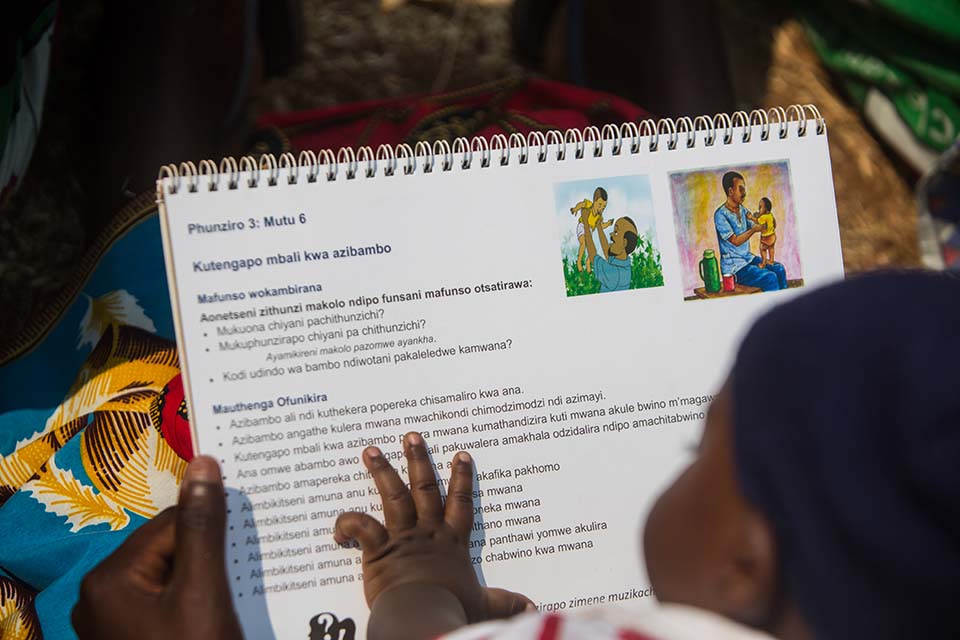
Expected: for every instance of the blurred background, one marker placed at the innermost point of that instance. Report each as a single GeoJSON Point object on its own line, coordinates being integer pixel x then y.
{"type": "Point", "coordinates": [133, 85]}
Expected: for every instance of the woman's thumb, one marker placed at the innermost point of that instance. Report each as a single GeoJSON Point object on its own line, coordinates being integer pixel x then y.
{"type": "Point", "coordinates": [506, 604]}
{"type": "Point", "coordinates": [201, 524]}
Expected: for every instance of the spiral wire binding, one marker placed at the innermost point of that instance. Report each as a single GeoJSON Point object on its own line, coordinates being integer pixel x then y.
{"type": "Point", "coordinates": [441, 155]}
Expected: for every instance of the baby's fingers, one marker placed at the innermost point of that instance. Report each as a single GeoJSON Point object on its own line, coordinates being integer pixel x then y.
{"type": "Point", "coordinates": [423, 479]}
{"type": "Point", "coordinates": [459, 507]}
{"type": "Point", "coordinates": [399, 512]}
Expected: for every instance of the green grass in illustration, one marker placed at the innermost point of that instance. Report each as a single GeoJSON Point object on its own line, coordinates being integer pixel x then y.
{"type": "Point", "coordinates": [645, 271]}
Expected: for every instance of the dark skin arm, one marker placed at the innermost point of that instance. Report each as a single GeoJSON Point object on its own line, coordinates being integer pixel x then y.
{"type": "Point", "coordinates": [739, 239]}
{"type": "Point", "coordinates": [588, 236]}
{"type": "Point", "coordinates": [604, 244]}
{"type": "Point", "coordinates": [417, 574]}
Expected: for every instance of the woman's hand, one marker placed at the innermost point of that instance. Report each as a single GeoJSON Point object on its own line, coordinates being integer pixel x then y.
{"type": "Point", "coordinates": [421, 554]}
{"type": "Point", "coordinates": [168, 579]}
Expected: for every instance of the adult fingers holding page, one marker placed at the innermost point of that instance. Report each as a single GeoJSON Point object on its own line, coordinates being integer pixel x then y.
{"type": "Point", "coordinates": [168, 579]}
{"type": "Point", "coordinates": [417, 574]}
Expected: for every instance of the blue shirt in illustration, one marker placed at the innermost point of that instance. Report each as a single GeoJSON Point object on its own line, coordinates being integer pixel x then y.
{"type": "Point", "coordinates": [732, 257]}
{"type": "Point", "coordinates": [613, 273]}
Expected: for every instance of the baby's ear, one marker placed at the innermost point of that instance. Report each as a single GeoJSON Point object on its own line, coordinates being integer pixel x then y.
{"type": "Point", "coordinates": [751, 589]}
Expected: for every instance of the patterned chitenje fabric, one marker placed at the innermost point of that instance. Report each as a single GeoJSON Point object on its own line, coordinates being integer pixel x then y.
{"type": "Point", "coordinates": [94, 429]}
{"type": "Point", "coordinates": [100, 461]}
{"type": "Point", "coordinates": [18, 618]}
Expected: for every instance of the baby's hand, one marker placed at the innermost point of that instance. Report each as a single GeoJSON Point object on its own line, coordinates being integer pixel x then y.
{"type": "Point", "coordinates": [424, 541]}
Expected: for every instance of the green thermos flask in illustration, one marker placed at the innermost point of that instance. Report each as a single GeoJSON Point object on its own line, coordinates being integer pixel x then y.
{"type": "Point", "coordinates": [710, 271]}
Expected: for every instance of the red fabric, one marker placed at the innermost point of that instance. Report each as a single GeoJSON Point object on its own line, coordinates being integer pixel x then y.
{"type": "Point", "coordinates": [551, 627]}
{"type": "Point", "coordinates": [174, 424]}
{"type": "Point", "coordinates": [502, 107]}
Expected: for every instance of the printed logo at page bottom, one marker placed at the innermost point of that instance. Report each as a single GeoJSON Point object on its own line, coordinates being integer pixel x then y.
{"type": "Point", "coordinates": [326, 626]}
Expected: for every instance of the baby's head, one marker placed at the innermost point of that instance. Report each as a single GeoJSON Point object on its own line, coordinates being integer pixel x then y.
{"type": "Point", "coordinates": [764, 206]}
{"type": "Point", "coordinates": [705, 544]}
{"type": "Point", "coordinates": [803, 507]}
{"type": "Point", "coordinates": [599, 199]}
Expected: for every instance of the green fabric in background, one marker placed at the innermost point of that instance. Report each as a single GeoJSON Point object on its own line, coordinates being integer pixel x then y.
{"type": "Point", "coordinates": [907, 50]}
{"type": "Point", "coordinates": [940, 18]}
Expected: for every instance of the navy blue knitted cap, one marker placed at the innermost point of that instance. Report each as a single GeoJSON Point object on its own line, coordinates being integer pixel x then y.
{"type": "Point", "coordinates": [847, 437]}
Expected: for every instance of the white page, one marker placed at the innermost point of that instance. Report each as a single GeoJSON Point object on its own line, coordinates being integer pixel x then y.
{"type": "Point", "coordinates": [462, 229]}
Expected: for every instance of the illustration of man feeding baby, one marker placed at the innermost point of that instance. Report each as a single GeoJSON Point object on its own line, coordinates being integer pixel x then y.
{"type": "Point", "coordinates": [736, 225]}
